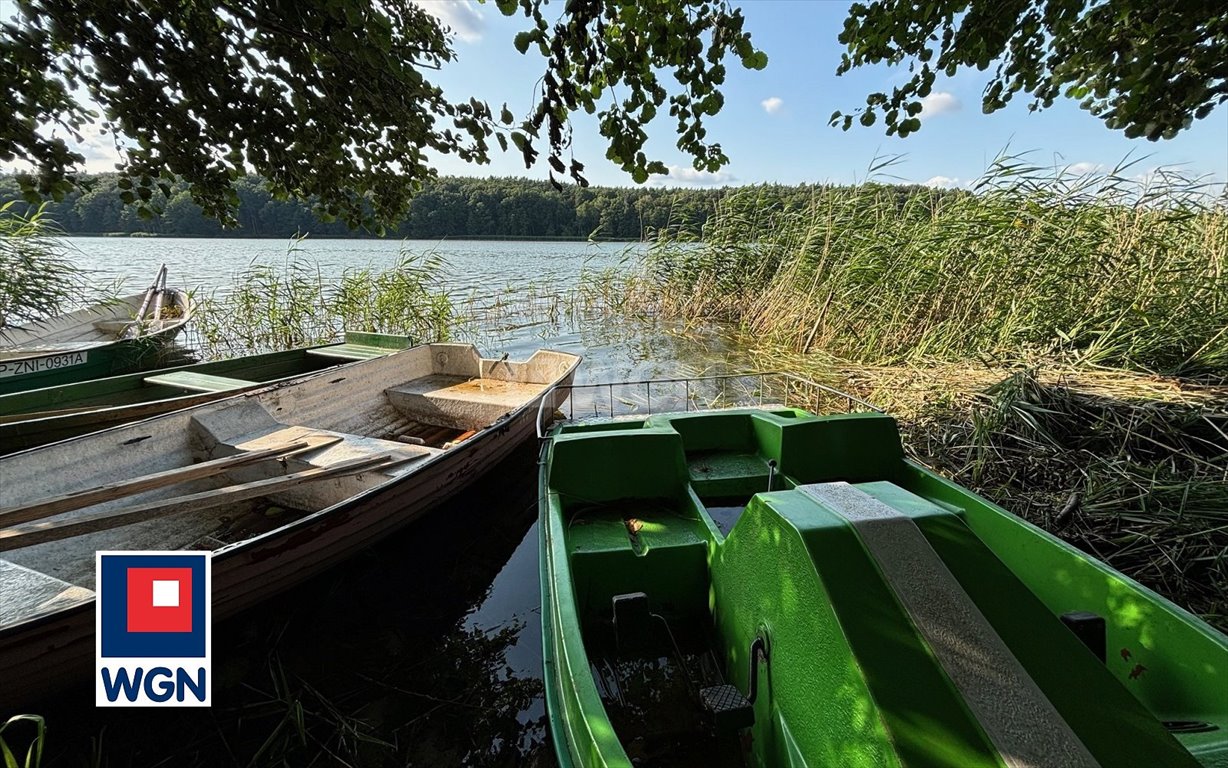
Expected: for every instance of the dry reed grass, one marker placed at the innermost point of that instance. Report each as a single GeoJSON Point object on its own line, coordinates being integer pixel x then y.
{"type": "Point", "coordinates": [1130, 467]}
{"type": "Point", "coordinates": [1089, 269]}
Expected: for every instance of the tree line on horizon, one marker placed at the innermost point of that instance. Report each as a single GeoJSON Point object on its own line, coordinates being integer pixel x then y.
{"type": "Point", "coordinates": [447, 207]}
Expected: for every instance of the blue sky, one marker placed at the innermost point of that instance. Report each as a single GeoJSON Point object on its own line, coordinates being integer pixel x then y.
{"type": "Point", "coordinates": [774, 124]}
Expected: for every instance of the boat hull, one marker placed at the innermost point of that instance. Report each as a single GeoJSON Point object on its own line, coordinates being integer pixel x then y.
{"type": "Point", "coordinates": [857, 594]}
{"type": "Point", "coordinates": [56, 651]}
{"type": "Point", "coordinates": [36, 417]}
{"type": "Point", "coordinates": [62, 364]}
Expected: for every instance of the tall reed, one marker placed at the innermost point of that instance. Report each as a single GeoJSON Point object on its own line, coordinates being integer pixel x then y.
{"type": "Point", "coordinates": [274, 307]}
{"type": "Point", "coordinates": [37, 277]}
{"type": "Point", "coordinates": [1107, 269]}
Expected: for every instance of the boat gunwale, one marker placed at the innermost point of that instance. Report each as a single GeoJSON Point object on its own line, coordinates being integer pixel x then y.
{"type": "Point", "coordinates": [556, 567]}
{"type": "Point", "coordinates": [165, 332]}
{"type": "Point", "coordinates": [236, 549]}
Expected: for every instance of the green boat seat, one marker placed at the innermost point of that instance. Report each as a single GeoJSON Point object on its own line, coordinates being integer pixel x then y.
{"type": "Point", "coordinates": [909, 623]}
{"type": "Point", "coordinates": [198, 382]}
{"type": "Point", "coordinates": [348, 352]}
{"type": "Point", "coordinates": [646, 463]}
{"type": "Point", "coordinates": [628, 547]}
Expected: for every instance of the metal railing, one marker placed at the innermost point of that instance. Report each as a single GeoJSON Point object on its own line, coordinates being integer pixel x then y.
{"type": "Point", "coordinates": [644, 397]}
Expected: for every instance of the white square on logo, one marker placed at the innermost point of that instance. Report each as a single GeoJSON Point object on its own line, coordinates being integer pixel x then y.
{"type": "Point", "coordinates": [165, 594]}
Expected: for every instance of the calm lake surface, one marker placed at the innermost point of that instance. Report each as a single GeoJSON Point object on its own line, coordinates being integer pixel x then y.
{"type": "Point", "coordinates": [425, 650]}
{"type": "Point", "coordinates": [508, 287]}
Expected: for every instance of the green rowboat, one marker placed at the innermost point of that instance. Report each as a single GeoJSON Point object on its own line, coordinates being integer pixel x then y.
{"type": "Point", "coordinates": [766, 587]}
{"type": "Point", "coordinates": [103, 340]}
{"type": "Point", "coordinates": [40, 416]}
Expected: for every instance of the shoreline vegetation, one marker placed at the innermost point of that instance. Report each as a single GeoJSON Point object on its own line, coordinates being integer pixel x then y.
{"type": "Point", "coordinates": [1056, 342]}
{"type": "Point", "coordinates": [448, 207]}
{"type": "Point", "coordinates": [478, 238]}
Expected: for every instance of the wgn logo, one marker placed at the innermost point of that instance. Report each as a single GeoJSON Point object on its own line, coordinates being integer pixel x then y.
{"type": "Point", "coordinates": [153, 629]}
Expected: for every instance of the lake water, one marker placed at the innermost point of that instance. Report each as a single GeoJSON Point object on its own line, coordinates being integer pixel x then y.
{"type": "Point", "coordinates": [426, 649]}
{"type": "Point", "coordinates": [471, 266]}
{"type": "Point", "coordinates": [508, 286]}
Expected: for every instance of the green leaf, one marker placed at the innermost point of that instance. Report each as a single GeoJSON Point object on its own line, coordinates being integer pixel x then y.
{"type": "Point", "coordinates": [757, 60]}
{"type": "Point", "coordinates": [523, 40]}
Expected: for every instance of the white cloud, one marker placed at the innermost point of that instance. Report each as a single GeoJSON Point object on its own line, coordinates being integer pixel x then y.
{"type": "Point", "coordinates": [772, 104]}
{"type": "Point", "coordinates": [946, 182]}
{"type": "Point", "coordinates": [939, 103]}
{"type": "Point", "coordinates": [96, 147]}
{"type": "Point", "coordinates": [685, 176]}
{"type": "Point", "coordinates": [460, 16]}
{"type": "Point", "coordinates": [1084, 168]}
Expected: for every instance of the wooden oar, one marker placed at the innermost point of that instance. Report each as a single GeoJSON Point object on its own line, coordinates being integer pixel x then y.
{"type": "Point", "coordinates": [134, 327]}
{"type": "Point", "coordinates": [459, 439]}
{"type": "Point", "coordinates": [55, 505]}
{"type": "Point", "coordinates": [157, 313]}
{"type": "Point", "coordinates": [38, 533]}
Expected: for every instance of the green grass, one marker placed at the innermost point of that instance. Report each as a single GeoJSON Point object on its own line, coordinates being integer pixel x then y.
{"type": "Point", "coordinates": [292, 305]}
{"type": "Point", "coordinates": [38, 279]}
{"type": "Point", "coordinates": [1056, 342]}
{"type": "Point", "coordinates": [33, 756]}
{"type": "Point", "coordinates": [1092, 269]}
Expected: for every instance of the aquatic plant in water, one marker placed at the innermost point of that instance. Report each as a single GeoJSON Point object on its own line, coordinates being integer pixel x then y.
{"type": "Point", "coordinates": [37, 279]}
{"type": "Point", "coordinates": [276, 307]}
{"type": "Point", "coordinates": [1106, 269]}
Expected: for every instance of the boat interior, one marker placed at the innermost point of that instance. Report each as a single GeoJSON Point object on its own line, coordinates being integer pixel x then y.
{"type": "Point", "coordinates": [188, 380]}
{"type": "Point", "coordinates": [97, 325]}
{"type": "Point", "coordinates": [218, 474]}
{"type": "Point", "coordinates": [768, 587]}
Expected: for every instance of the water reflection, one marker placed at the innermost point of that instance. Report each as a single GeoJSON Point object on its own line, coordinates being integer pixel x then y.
{"type": "Point", "coordinates": [424, 650]}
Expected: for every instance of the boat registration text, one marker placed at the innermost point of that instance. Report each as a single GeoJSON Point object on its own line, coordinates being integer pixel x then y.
{"type": "Point", "coordinates": [40, 364]}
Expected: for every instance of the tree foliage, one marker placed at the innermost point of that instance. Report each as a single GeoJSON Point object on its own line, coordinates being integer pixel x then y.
{"type": "Point", "coordinates": [1146, 67]}
{"type": "Point", "coordinates": [329, 99]}
{"type": "Point", "coordinates": [445, 207]}
{"type": "Point", "coordinates": [598, 45]}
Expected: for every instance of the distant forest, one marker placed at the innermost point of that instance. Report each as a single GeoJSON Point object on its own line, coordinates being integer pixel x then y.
{"type": "Point", "coordinates": [447, 207]}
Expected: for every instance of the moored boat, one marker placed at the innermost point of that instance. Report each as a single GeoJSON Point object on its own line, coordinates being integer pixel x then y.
{"type": "Point", "coordinates": [108, 339]}
{"type": "Point", "coordinates": [280, 483]}
{"type": "Point", "coordinates": [39, 416]}
{"type": "Point", "coordinates": [768, 587]}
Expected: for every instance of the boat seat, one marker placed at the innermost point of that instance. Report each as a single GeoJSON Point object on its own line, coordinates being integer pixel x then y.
{"type": "Point", "coordinates": [112, 326]}
{"type": "Point", "coordinates": [726, 473]}
{"type": "Point", "coordinates": [622, 549]}
{"type": "Point", "coordinates": [247, 426]}
{"type": "Point", "coordinates": [198, 382]}
{"type": "Point", "coordinates": [349, 352]}
{"type": "Point", "coordinates": [29, 593]}
{"type": "Point", "coordinates": [460, 402]}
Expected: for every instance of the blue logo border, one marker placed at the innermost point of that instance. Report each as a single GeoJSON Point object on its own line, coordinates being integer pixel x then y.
{"type": "Point", "coordinates": [117, 641]}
